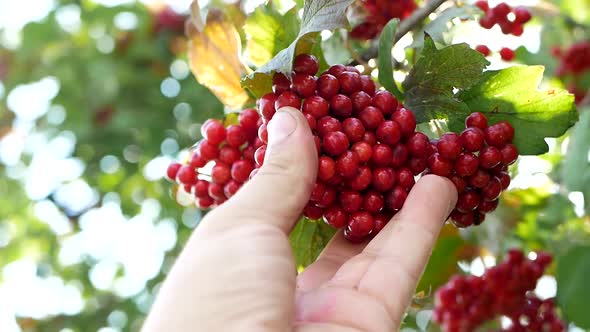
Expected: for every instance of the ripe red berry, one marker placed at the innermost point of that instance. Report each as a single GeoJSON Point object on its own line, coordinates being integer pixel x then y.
{"type": "Point", "coordinates": [449, 146]}
{"type": "Point", "coordinates": [440, 165]}
{"type": "Point", "coordinates": [350, 201]}
{"type": "Point", "coordinates": [249, 119]}
{"type": "Point", "coordinates": [236, 136]}
{"type": "Point", "coordinates": [341, 106]}
{"type": "Point", "coordinates": [327, 86]}
{"type": "Point", "coordinates": [367, 85]}
{"type": "Point", "coordinates": [335, 143]}
{"type": "Point", "coordinates": [311, 121]}
{"type": "Point", "coordinates": [389, 132]}
{"type": "Point", "coordinates": [517, 29]}
{"type": "Point", "coordinates": [304, 85]}
{"type": "Point", "coordinates": [476, 119]}
{"type": "Point", "coordinates": [266, 105]}
{"type": "Point", "coordinates": [483, 49]}
{"type": "Point", "coordinates": [216, 191]}
{"type": "Point", "coordinates": [479, 179]}
{"type": "Point", "coordinates": [317, 192]}
{"type": "Point", "coordinates": [405, 178]}
{"type": "Point", "coordinates": [213, 131]}
{"type": "Point", "coordinates": [371, 117]}
{"type": "Point", "coordinates": [326, 168]}
{"type": "Point", "coordinates": [263, 133]}
{"type": "Point", "coordinates": [288, 98]}
{"type": "Point", "coordinates": [197, 161]}
{"type": "Point", "coordinates": [327, 124]}
{"type": "Point", "coordinates": [201, 189]}
{"type": "Point", "coordinates": [354, 129]}
{"type": "Point", "coordinates": [483, 5]}
{"type": "Point", "coordinates": [350, 82]}
{"type": "Point", "coordinates": [396, 198]}
{"type": "Point", "coordinates": [383, 179]}
{"type": "Point", "coordinates": [417, 144]}
{"type": "Point", "coordinates": [231, 188]}
{"type": "Point", "coordinates": [509, 154]}
{"type": "Point", "coordinates": [400, 155]}
{"type": "Point", "coordinates": [360, 101]}
{"type": "Point", "coordinates": [417, 164]}
{"type": "Point", "coordinates": [336, 70]}
{"type": "Point", "coordinates": [382, 155]}
{"type": "Point", "coordinates": [259, 155]}
{"type": "Point", "coordinates": [205, 202]}
{"type": "Point", "coordinates": [335, 217]}
{"type": "Point", "coordinates": [487, 22]}
{"type": "Point", "coordinates": [522, 15]}
{"type": "Point", "coordinates": [347, 164]}
{"type": "Point", "coordinates": [370, 138]}
{"type": "Point", "coordinates": [280, 83]}
{"type": "Point", "coordinates": [490, 157]}
{"type": "Point", "coordinates": [313, 212]}
{"type": "Point", "coordinates": [508, 130]}
{"type": "Point", "coordinates": [507, 54]}
{"type": "Point", "coordinates": [172, 170]}
{"type": "Point", "coordinates": [462, 220]}
{"type": "Point", "coordinates": [488, 206]}
{"type": "Point", "coordinates": [363, 150]}
{"type": "Point", "coordinates": [468, 201]}
{"type": "Point", "coordinates": [316, 106]}
{"type": "Point", "coordinates": [501, 10]}
{"type": "Point", "coordinates": [385, 101]}
{"type": "Point", "coordinates": [361, 224]}
{"type": "Point", "coordinates": [221, 173]}
{"type": "Point", "coordinates": [459, 183]}
{"type": "Point", "coordinates": [504, 179]}
{"type": "Point", "coordinates": [406, 120]}
{"type": "Point", "coordinates": [495, 136]}
{"type": "Point", "coordinates": [305, 64]}
{"type": "Point", "coordinates": [373, 202]}
{"type": "Point", "coordinates": [466, 164]}
{"type": "Point", "coordinates": [207, 150]}
{"type": "Point", "coordinates": [241, 169]}
{"type": "Point", "coordinates": [381, 220]}
{"type": "Point", "coordinates": [472, 139]}
{"type": "Point", "coordinates": [362, 179]}
{"type": "Point", "coordinates": [492, 190]}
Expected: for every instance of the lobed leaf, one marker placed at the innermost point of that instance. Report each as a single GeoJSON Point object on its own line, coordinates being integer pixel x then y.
{"type": "Point", "coordinates": [572, 286]}
{"type": "Point", "coordinates": [308, 239]}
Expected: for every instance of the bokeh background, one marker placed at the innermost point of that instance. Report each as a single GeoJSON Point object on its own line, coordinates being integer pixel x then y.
{"type": "Point", "coordinates": [96, 99]}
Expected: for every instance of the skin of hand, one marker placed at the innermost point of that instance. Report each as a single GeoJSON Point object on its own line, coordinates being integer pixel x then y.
{"type": "Point", "coordinates": [237, 273]}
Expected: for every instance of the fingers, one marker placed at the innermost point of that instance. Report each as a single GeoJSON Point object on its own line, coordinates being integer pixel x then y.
{"type": "Point", "coordinates": [397, 256]}
{"type": "Point", "coordinates": [337, 252]}
{"type": "Point", "coordinates": [280, 190]}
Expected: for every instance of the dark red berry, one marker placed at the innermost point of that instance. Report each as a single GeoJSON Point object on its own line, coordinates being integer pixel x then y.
{"type": "Point", "coordinates": [489, 157]}
{"type": "Point", "coordinates": [501, 10]}
{"type": "Point", "coordinates": [201, 189]}
{"type": "Point", "coordinates": [440, 165]}
{"type": "Point", "coordinates": [288, 99]}
{"type": "Point", "coordinates": [381, 220]}
{"type": "Point", "coordinates": [371, 117]}
{"type": "Point", "coordinates": [396, 198]}
{"type": "Point", "coordinates": [347, 164]}
{"type": "Point", "coordinates": [468, 201]}
{"type": "Point", "coordinates": [385, 101]}
{"type": "Point", "coordinates": [311, 121]}
{"type": "Point", "coordinates": [335, 143]}
{"type": "Point", "coordinates": [522, 15]}
{"type": "Point", "coordinates": [370, 138]}
{"type": "Point", "coordinates": [488, 206]}
{"type": "Point", "coordinates": [367, 85]}
{"type": "Point", "coordinates": [504, 179]}
{"type": "Point", "coordinates": [507, 54]}
{"type": "Point", "coordinates": [280, 83]}
{"type": "Point", "coordinates": [360, 101]}
{"type": "Point", "coordinates": [492, 190]}
{"type": "Point", "coordinates": [479, 179]}
{"type": "Point", "coordinates": [449, 146]}
{"type": "Point", "coordinates": [172, 170]}
{"type": "Point", "coordinates": [483, 50]}
{"type": "Point", "coordinates": [406, 120]}
{"type": "Point", "coordinates": [389, 132]}
{"type": "Point", "coordinates": [336, 70]}
{"type": "Point", "coordinates": [362, 179]}
{"type": "Point", "coordinates": [373, 202]}
{"type": "Point", "coordinates": [205, 202]}
{"type": "Point", "coordinates": [304, 85]}
{"type": "Point", "coordinates": [495, 136]}
{"type": "Point", "coordinates": [241, 169]}
{"type": "Point", "coordinates": [363, 150]}
{"type": "Point", "coordinates": [316, 106]}
{"type": "Point", "coordinates": [326, 168]}
{"type": "Point", "coordinates": [266, 105]}
{"type": "Point", "coordinates": [313, 211]}
{"type": "Point", "coordinates": [249, 119]}
{"type": "Point", "coordinates": [476, 119]}
{"type": "Point", "coordinates": [327, 124]}
{"type": "Point", "coordinates": [335, 217]}
{"type": "Point", "coordinates": [231, 188]}
{"type": "Point", "coordinates": [472, 139]}
{"type": "Point", "coordinates": [509, 154]}
{"type": "Point", "coordinates": [400, 155]}
{"type": "Point", "coordinates": [361, 224]}
{"type": "Point", "coordinates": [221, 173]}
{"type": "Point", "coordinates": [466, 164]}
{"type": "Point", "coordinates": [197, 161]}
{"type": "Point", "coordinates": [383, 179]}
{"type": "Point", "coordinates": [214, 131]}
{"type": "Point", "coordinates": [341, 106]}
{"type": "Point", "coordinates": [417, 144]}
{"type": "Point", "coordinates": [216, 191]}
{"type": "Point", "coordinates": [405, 178]}
{"type": "Point", "coordinates": [508, 130]}
{"type": "Point", "coordinates": [459, 182]}
{"type": "Point", "coordinates": [483, 5]}
{"type": "Point", "coordinates": [382, 155]}
{"type": "Point", "coordinates": [462, 220]}
{"type": "Point", "coordinates": [207, 150]}
{"type": "Point", "coordinates": [354, 129]}
{"type": "Point", "coordinates": [350, 82]}
{"type": "Point", "coordinates": [236, 136]}
{"type": "Point", "coordinates": [259, 155]}
{"type": "Point", "coordinates": [487, 22]}
{"type": "Point", "coordinates": [305, 64]}
{"type": "Point", "coordinates": [327, 86]}
{"type": "Point", "coordinates": [350, 201]}
{"type": "Point", "coordinates": [417, 164]}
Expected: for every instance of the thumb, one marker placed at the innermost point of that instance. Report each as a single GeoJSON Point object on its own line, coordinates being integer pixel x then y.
{"type": "Point", "coordinates": [280, 190]}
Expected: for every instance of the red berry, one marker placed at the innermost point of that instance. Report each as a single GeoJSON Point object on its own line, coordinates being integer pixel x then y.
{"type": "Point", "coordinates": [328, 198]}
{"type": "Point", "coordinates": [280, 83]}
{"type": "Point", "coordinates": [483, 49]}
{"type": "Point", "coordinates": [326, 168]}
{"type": "Point", "coordinates": [381, 220]}
{"type": "Point", "coordinates": [406, 120]}
{"type": "Point", "coordinates": [417, 144]}
{"type": "Point", "coordinates": [405, 178]}
{"type": "Point", "coordinates": [266, 105]}
{"type": "Point", "coordinates": [236, 136]}
{"type": "Point", "coordinates": [468, 201]}
{"type": "Point", "coordinates": [400, 155]}
{"type": "Point", "coordinates": [459, 183]}
{"type": "Point", "coordinates": [462, 220]}
{"type": "Point", "coordinates": [476, 119]}
{"type": "Point", "coordinates": [305, 64]}
{"type": "Point", "coordinates": [205, 202]}
{"type": "Point", "coordinates": [522, 15]}
{"type": "Point", "coordinates": [373, 202]}
{"type": "Point", "coordinates": [489, 157]}
{"type": "Point", "coordinates": [383, 179]}
{"type": "Point", "coordinates": [385, 101]}
{"type": "Point", "coordinates": [361, 224]}
{"type": "Point", "coordinates": [352, 237]}
{"type": "Point", "coordinates": [328, 124]}
{"type": "Point", "coordinates": [367, 85]}
{"type": "Point", "coordinates": [241, 169]}
{"type": "Point", "coordinates": [353, 128]}
{"type": "Point", "coordinates": [483, 5]}
{"type": "Point", "coordinates": [495, 136]}
{"type": "Point", "coordinates": [263, 133]}
{"type": "Point", "coordinates": [249, 119]}
{"type": "Point", "coordinates": [231, 188]}
{"type": "Point", "coordinates": [335, 217]}
{"type": "Point", "coordinates": [417, 164]}
{"type": "Point", "coordinates": [396, 198]}
{"type": "Point", "coordinates": [304, 85]}
{"type": "Point", "coordinates": [201, 189]}
{"type": "Point", "coordinates": [249, 152]}
{"type": "Point", "coordinates": [449, 146]}
{"type": "Point", "coordinates": [327, 86]}
{"type": "Point", "coordinates": [504, 179]}
{"type": "Point", "coordinates": [336, 70]}
{"type": "Point", "coordinates": [509, 154]}
{"type": "Point", "coordinates": [507, 54]}
{"type": "Point", "coordinates": [389, 132]}
{"type": "Point", "coordinates": [259, 155]}
{"type": "Point", "coordinates": [501, 10]}
{"type": "Point", "coordinates": [488, 206]}
{"type": "Point", "coordinates": [360, 101]}
{"type": "Point", "coordinates": [350, 82]}
{"type": "Point", "coordinates": [370, 138]}
{"type": "Point", "coordinates": [350, 201]}
{"type": "Point", "coordinates": [172, 170]}
{"type": "Point", "coordinates": [207, 150]}
{"type": "Point", "coordinates": [479, 179]}
{"type": "Point", "coordinates": [487, 22]}
{"type": "Point", "coordinates": [466, 164]}
{"type": "Point", "coordinates": [311, 121]}
{"type": "Point", "coordinates": [197, 161]}
{"type": "Point", "coordinates": [508, 130]}
{"type": "Point", "coordinates": [316, 106]}
{"type": "Point", "coordinates": [382, 155]}
{"type": "Point", "coordinates": [517, 29]}
{"type": "Point", "coordinates": [213, 131]}
{"type": "Point", "coordinates": [371, 117]}
{"type": "Point", "coordinates": [335, 143]}
{"type": "Point", "coordinates": [363, 150]}
{"type": "Point", "coordinates": [221, 173]}
{"type": "Point", "coordinates": [440, 165]}
{"type": "Point", "coordinates": [492, 190]}
{"type": "Point", "coordinates": [341, 106]}
{"type": "Point", "coordinates": [317, 192]}
{"type": "Point", "coordinates": [362, 179]}
{"type": "Point", "coordinates": [313, 212]}
{"type": "Point", "coordinates": [216, 191]}
{"type": "Point", "coordinates": [288, 98]}
{"type": "Point", "coordinates": [472, 139]}
{"type": "Point", "coordinates": [347, 164]}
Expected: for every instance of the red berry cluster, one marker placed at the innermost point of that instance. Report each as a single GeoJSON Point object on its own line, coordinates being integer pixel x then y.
{"type": "Point", "coordinates": [232, 151]}
{"type": "Point", "coordinates": [168, 20]}
{"type": "Point", "coordinates": [574, 63]}
{"type": "Point", "coordinates": [499, 15]}
{"type": "Point", "coordinates": [476, 161]}
{"type": "Point", "coordinates": [378, 13]}
{"type": "Point", "coordinates": [465, 303]}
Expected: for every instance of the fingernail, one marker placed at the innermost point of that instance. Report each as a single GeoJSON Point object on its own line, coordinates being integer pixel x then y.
{"type": "Point", "coordinates": [280, 127]}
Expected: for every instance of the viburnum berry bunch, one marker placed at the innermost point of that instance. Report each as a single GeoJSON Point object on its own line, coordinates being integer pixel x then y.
{"type": "Point", "coordinates": [574, 63]}
{"type": "Point", "coordinates": [467, 302]}
{"type": "Point", "coordinates": [368, 147]}
{"type": "Point", "coordinates": [378, 13]}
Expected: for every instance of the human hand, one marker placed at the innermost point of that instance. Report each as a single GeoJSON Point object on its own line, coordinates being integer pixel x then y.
{"type": "Point", "coordinates": [237, 273]}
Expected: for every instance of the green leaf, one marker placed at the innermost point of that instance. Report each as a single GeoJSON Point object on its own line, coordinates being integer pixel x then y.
{"type": "Point", "coordinates": [268, 32]}
{"type": "Point", "coordinates": [572, 286]}
{"type": "Point", "coordinates": [318, 15]}
{"type": "Point", "coordinates": [308, 239]}
{"type": "Point", "coordinates": [385, 59]}
{"type": "Point", "coordinates": [511, 94]}
{"type": "Point", "coordinates": [429, 85]}
{"type": "Point", "coordinates": [442, 263]}
{"type": "Point", "coordinates": [575, 172]}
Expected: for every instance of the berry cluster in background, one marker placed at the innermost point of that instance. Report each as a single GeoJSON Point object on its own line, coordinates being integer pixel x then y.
{"type": "Point", "coordinates": [369, 152]}
{"type": "Point", "coordinates": [377, 13]}
{"type": "Point", "coordinates": [574, 63]}
{"type": "Point", "coordinates": [510, 20]}
{"type": "Point", "coordinates": [467, 302]}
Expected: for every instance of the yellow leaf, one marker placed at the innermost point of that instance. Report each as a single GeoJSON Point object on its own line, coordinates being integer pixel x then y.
{"type": "Point", "coordinates": [214, 56]}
